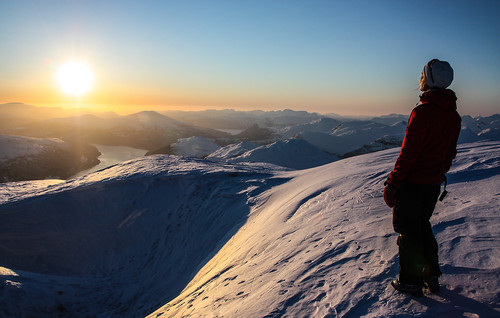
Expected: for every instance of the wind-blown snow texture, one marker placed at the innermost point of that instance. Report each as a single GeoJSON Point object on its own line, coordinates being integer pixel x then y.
{"type": "Point", "coordinates": [176, 237]}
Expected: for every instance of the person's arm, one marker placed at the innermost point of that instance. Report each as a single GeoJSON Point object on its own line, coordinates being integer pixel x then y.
{"type": "Point", "coordinates": [411, 148]}
{"type": "Point", "coordinates": [452, 151]}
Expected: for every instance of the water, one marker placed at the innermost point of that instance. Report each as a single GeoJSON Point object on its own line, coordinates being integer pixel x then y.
{"type": "Point", "coordinates": [111, 155]}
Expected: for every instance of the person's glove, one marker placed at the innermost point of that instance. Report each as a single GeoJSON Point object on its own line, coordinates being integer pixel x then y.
{"type": "Point", "coordinates": [390, 193]}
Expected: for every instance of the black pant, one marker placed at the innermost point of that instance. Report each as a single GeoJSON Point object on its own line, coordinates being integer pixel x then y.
{"type": "Point", "coordinates": [418, 249]}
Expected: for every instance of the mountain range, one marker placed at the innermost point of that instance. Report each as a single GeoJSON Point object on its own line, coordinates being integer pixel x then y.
{"type": "Point", "coordinates": [310, 138]}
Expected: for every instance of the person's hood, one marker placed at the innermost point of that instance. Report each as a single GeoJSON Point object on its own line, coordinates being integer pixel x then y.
{"type": "Point", "coordinates": [444, 98]}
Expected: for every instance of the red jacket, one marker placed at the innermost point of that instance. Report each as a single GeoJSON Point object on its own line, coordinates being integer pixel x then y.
{"type": "Point", "coordinates": [430, 143]}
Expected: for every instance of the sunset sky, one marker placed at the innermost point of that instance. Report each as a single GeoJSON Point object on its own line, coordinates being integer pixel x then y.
{"type": "Point", "coordinates": [346, 57]}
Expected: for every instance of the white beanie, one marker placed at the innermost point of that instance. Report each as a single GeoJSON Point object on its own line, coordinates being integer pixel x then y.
{"type": "Point", "coordinates": [438, 74]}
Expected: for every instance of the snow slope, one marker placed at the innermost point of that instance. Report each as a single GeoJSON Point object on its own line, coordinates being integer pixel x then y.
{"type": "Point", "coordinates": [483, 127]}
{"type": "Point", "coordinates": [194, 147]}
{"type": "Point", "coordinates": [321, 245]}
{"type": "Point", "coordinates": [232, 150]}
{"type": "Point", "coordinates": [351, 135]}
{"type": "Point", "coordinates": [176, 237]}
{"type": "Point", "coordinates": [291, 153]}
{"type": "Point", "coordinates": [27, 158]}
{"type": "Point", "coordinates": [18, 146]}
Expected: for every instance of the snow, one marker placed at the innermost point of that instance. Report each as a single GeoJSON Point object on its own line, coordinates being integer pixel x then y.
{"type": "Point", "coordinates": [194, 147]}
{"type": "Point", "coordinates": [19, 146]}
{"type": "Point", "coordinates": [343, 136]}
{"type": "Point", "coordinates": [184, 237]}
{"type": "Point", "coordinates": [291, 153]}
{"type": "Point", "coordinates": [333, 134]}
{"type": "Point", "coordinates": [232, 151]}
{"type": "Point", "coordinates": [27, 158]}
{"type": "Point", "coordinates": [12, 191]}
{"type": "Point", "coordinates": [337, 137]}
{"type": "Point", "coordinates": [319, 125]}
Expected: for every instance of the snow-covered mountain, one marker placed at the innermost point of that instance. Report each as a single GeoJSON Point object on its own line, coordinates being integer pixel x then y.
{"type": "Point", "coordinates": [348, 137]}
{"type": "Point", "coordinates": [291, 153]}
{"type": "Point", "coordinates": [26, 158]}
{"type": "Point", "coordinates": [185, 237]}
{"type": "Point", "coordinates": [480, 128]}
{"type": "Point", "coordinates": [232, 151]}
{"type": "Point", "coordinates": [233, 119]}
{"type": "Point", "coordinates": [390, 119]}
{"type": "Point", "coordinates": [194, 147]}
{"type": "Point", "coordinates": [382, 143]}
{"type": "Point", "coordinates": [339, 136]}
{"type": "Point", "coordinates": [144, 130]}
{"type": "Point", "coordinates": [323, 125]}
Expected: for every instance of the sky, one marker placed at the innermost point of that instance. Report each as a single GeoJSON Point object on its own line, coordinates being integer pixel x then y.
{"type": "Point", "coordinates": [345, 57]}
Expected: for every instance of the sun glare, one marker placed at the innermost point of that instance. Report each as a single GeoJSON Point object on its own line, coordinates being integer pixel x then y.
{"type": "Point", "coordinates": [75, 78]}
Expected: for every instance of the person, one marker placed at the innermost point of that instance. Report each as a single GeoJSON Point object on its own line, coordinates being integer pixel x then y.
{"type": "Point", "coordinates": [412, 188]}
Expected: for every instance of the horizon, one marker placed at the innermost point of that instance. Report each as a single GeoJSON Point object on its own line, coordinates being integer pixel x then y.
{"type": "Point", "coordinates": [351, 59]}
{"type": "Point", "coordinates": [128, 110]}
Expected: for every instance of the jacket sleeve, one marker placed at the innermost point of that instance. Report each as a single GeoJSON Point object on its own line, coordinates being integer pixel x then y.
{"type": "Point", "coordinates": [452, 151]}
{"type": "Point", "coordinates": [412, 146]}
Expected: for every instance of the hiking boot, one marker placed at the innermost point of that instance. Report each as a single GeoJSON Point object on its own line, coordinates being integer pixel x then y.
{"type": "Point", "coordinates": [413, 289]}
{"type": "Point", "coordinates": [432, 283]}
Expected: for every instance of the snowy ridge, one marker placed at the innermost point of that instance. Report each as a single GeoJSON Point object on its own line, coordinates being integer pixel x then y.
{"type": "Point", "coordinates": [232, 151]}
{"type": "Point", "coordinates": [194, 147]}
{"type": "Point", "coordinates": [480, 128]}
{"type": "Point", "coordinates": [147, 223]}
{"type": "Point", "coordinates": [28, 158]}
{"type": "Point", "coordinates": [291, 153]}
{"type": "Point", "coordinates": [17, 146]}
{"type": "Point", "coordinates": [176, 237]}
{"type": "Point", "coordinates": [323, 247]}
{"type": "Point", "coordinates": [352, 135]}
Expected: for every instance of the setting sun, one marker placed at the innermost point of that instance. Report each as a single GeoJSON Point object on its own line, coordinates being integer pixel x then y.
{"type": "Point", "coordinates": [75, 78]}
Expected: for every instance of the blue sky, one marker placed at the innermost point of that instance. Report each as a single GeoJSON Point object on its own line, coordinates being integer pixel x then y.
{"type": "Point", "coordinates": [348, 57]}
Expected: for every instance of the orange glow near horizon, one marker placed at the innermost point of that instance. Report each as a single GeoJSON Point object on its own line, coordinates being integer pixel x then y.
{"type": "Point", "coordinates": [122, 108]}
{"type": "Point", "coordinates": [72, 85]}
